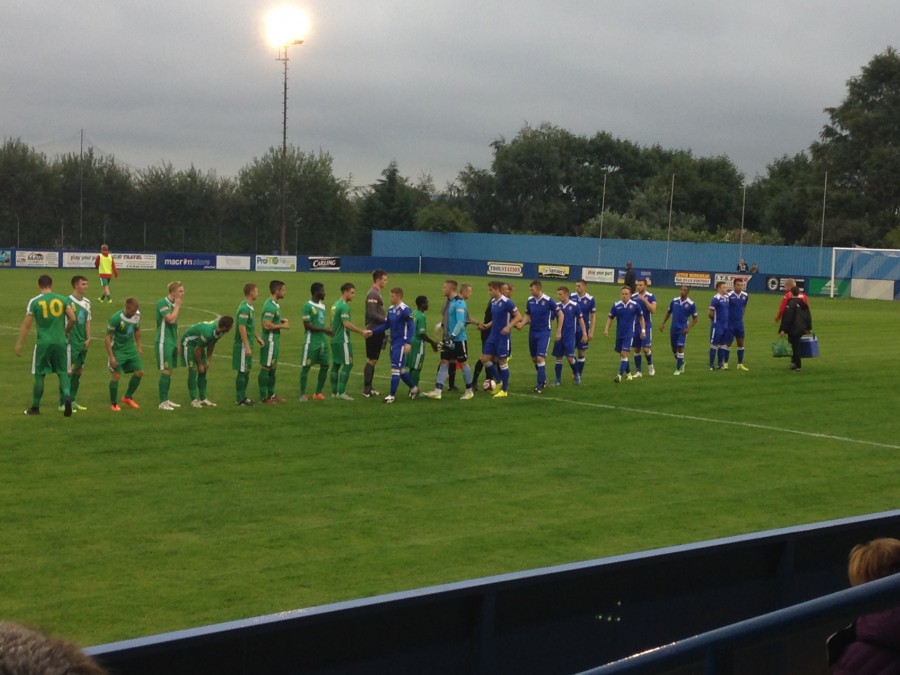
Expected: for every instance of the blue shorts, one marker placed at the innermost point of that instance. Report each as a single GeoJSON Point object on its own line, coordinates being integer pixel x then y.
{"type": "Point", "coordinates": [718, 336]}
{"type": "Point", "coordinates": [398, 358]}
{"type": "Point", "coordinates": [564, 347]}
{"type": "Point", "coordinates": [678, 340]}
{"type": "Point", "coordinates": [623, 344]}
{"type": "Point", "coordinates": [497, 345]}
{"type": "Point", "coordinates": [638, 343]}
{"type": "Point", "coordinates": [736, 331]}
{"type": "Point", "coordinates": [538, 343]}
{"type": "Point", "coordinates": [580, 341]}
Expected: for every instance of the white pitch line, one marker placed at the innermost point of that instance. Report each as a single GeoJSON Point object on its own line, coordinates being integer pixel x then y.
{"type": "Point", "coordinates": [748, 425]}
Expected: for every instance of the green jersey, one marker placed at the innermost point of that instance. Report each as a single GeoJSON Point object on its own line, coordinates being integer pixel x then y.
{"type": "Point", "coordinates": [271, 312]}
{"type": "Point", "coordinates": [421, 329]}
{"type": "Point", "coordinates": [201, 334]}
{"type": "Point", "coordinates": [246, 317]}
{"type": "Point", "coordinates": [122, 329]}
{"type": "Point", "coordinates": [49, 312]}
{"type": "Point", "coordinates": [166, 333]}
{"type": "Point", "coordinates": [314, 314]}
{"type": "Point", "coordinates": [340, 312]}
{"type": "Point", "coordinates": [78, 335]}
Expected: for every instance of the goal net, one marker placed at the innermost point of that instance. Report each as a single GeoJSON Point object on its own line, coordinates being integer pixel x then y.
{"type": "Point", "coordinates": [864, 272]}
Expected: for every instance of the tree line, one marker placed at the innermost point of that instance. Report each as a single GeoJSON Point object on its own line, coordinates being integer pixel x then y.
{"type": "Point", "coordinates": [546, 180]}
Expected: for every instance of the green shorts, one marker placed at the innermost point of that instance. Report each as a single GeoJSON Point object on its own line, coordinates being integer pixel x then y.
{"type": "Point", "coordinates": [128, 363]}
{"type": "Point", "coordinates": [268, 354]}
{"type": "Point", "coordinates": [341, 353]}
{"type": "Point", "coordinates": [77, 357]}
{"type": "Point", "coordinates": [166, 358]}
{"type": "Point", "coordinates": [239, 360]}
{"type": "Point", "coordinates": [315, 354]}
{"type": "Point", "coordinates": [104, 282]}
{"type": "Point", "coordinates": [49, 359]}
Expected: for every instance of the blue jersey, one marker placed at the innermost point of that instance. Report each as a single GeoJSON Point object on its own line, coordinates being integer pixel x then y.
{"type": "Point", "coordinates": [571, 313]}
{"type": "Point", "coordinates": [542, 311]}
{"type": "Point", "coordinates": [457, 314]}
{"type": "Point", "coordinates": [588, 309]}
{"type": "Point", "coordinates": [737, 305]}
{"type": "Point", "coordinates": [502, 311]}
{"type": "Point", "coordinates": [682, 311]}
{"type": "Point", "coordinates": [719, 306]}
{"type": "Point", "coordinates": [626, 315]}
{"type": "Point", "coordinates": [399, 320]}
{"type": "Point", "coordinates": [649, 297]}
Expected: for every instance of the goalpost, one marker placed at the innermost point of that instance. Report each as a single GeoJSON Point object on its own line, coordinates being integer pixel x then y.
{"type": "Point", "coordinates": [871, 271]}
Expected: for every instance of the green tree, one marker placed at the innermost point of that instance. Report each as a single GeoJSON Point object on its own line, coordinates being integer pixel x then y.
{"type": "Point", "coordinates": [27, 191]}
{"type": "Point", "coordinates": [860, 149]}
{"type": "Point", "coordinates": [391, 203]}
{"type": "Point", "coordinates": [441, 217]}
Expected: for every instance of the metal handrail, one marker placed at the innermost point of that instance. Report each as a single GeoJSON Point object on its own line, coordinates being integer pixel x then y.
{"type": "Point", "coordinates": [708, 648]}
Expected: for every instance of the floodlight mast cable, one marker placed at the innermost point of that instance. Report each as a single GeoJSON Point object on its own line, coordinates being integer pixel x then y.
{"type": "Point", "coordinates": [283, 57]}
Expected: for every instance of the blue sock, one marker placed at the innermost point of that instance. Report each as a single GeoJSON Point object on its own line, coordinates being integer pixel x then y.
{"type": "Point", "coordinates": [712, 356]}
{"type": "Point", "coordinates": [541, 374]}
{"type": "Point", "coordinates": [740, 355]}
{"type": "Point", "coordinates": [637, 362]}
{"type": "Point", "coordinates": [558, 370]}
{"type": "Point", "coordinates": [395, 382]}
{"type": "Point", "coordinates": [679, 362]}
{"type": "Point", "coordinates": [580, 363]}
{"type": "Point", "coordinates": [504, 376]}
{"type": "Point", "coordinates": [649, 356]}
{"type": "Point", "coordinates": [623, 366]}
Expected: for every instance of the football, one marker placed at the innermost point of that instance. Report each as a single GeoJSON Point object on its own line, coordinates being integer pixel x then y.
{"type": "Point", "coordinates": [488, 385]}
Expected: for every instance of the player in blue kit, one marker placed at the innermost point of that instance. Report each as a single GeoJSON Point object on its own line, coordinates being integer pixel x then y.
{"type": "Point", "coordinates": [627, 313]}
{"type": "Point", "coordinates": [737, 306]}
{"type": "Point", "coordinates": [564, 347]}
{"type": "Point", "coordinates": [540, 310]}
{"type": "Point", "coordinates": [718, 335]}
{"type": "Point", "coordinates": [504, 315]}
{"type": "Point", "coordinates": [589, 314]}
{"type": "Point", "coordinates": [399, 320]}
{"type": "Point", "coordinates": [647, 301]}
{"type": "Point", "coordinates": [683, 311]}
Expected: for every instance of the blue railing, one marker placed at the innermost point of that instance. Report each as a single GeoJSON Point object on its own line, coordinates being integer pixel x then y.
{"type": "Point", "coordinates": [715, 650]}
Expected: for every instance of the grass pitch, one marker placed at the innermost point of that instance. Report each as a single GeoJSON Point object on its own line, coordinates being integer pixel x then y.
{"type": "Point", "coordinates": [127, 524]}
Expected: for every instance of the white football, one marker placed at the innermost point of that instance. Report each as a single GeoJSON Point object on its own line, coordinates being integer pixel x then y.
{"type": "Point", "coordinates": [488, 385]}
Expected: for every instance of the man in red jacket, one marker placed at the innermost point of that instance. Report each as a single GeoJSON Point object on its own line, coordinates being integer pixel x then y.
{"type": "Point", "coordinates": [788, 285]}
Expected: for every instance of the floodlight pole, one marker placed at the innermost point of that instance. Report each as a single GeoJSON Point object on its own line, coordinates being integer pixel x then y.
{"type": "Point", "coordinates": [283, 57]}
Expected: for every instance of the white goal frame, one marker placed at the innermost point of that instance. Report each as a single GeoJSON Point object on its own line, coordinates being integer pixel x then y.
{"type": "Point", "coordinates": [890, 252]}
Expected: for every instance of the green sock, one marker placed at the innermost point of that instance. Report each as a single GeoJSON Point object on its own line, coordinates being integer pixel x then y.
{"type": "Point", "coordinates": [335, 378]}
{"type": "Point", "coordinates": [304, 376]}
{"type": "Point", "coordinates": [272, 382]}
{"type": "Point", "coordinates": [192, 385]}
{"type": "Point", "coordinates": [37, 391]}
{"type": "Point", "coordinates": [165, 382]}
{"type": "Point", "coordinates": [75, 380]}
{"type": "Point", "coordinates": [323, 377]}
{"type": "Point", "coordinates": [241, 380]}
{"type": "Point", "coordinates": [133, 384]}
{"type": "Point", "coordinates": [263, 380]}
{"type": "Point", "coordinates": [344, 378]}
{"type": "Point", "coordinates": [113, 391]}
{"type": "Point", "coordinates": [201, 385]}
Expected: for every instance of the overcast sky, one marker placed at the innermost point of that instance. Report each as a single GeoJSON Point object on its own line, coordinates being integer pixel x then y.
{"type": "Point", "coordinates": [428, 84]}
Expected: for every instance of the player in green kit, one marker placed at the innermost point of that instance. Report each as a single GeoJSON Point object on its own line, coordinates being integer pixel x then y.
{"type": "Point", "coordinates": [124, 351]}
{"type": "Point", "coordinates": [166, 341]}
{"type": "Point", "coordinates": [341, 348]}
{"type": "Point", "coordinates": [79, 338]}
{"type": "Point", "coordinates": [197, 346]}
{"type": "Point", "coordinates": [49, 312]}
{"type": "Point", "coordinates": [272, 325]}
{"type": "Point", "coordinates": [244, 337]}
{"type": "Point", "coordinates": [416, 357]}
{"type": "Point", "coordinates": [315, 343]}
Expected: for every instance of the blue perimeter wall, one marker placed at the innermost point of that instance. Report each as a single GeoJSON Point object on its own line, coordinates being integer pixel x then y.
{"type": "Point", "coordinates": [781, 260]}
